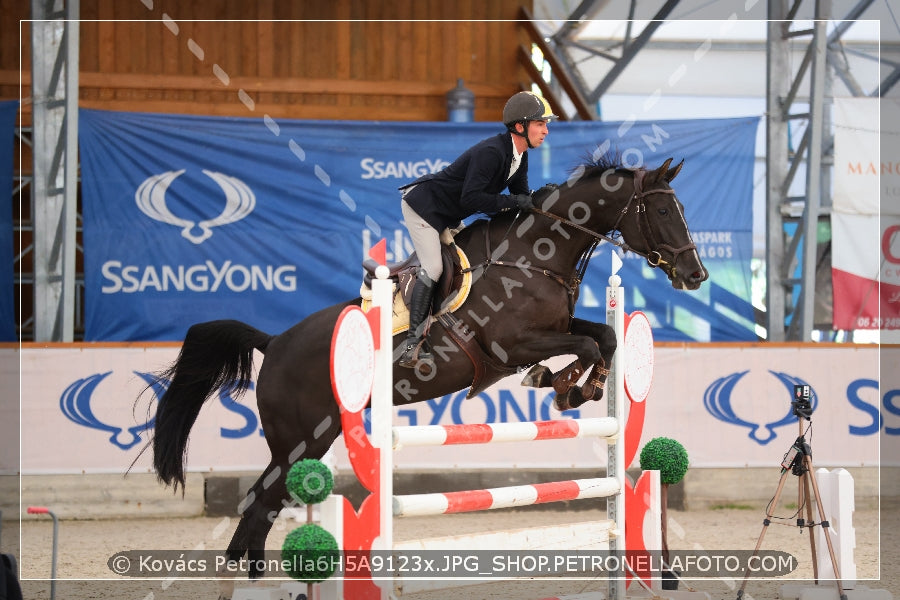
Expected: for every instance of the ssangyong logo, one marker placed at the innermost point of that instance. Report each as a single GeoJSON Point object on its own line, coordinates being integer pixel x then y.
{"type": "Point", "coordinates": [81, 402]}
{"type": "Point", "coordinates": [210, 275]}
{"type": "Point", "coordinates": [151, 199]}
{"type": "Point", "coordinates": [75, 404]}
{"type": "Point", "coordinates": [718, 402]}
{"type": "Point", "coordinates": [398, 169]}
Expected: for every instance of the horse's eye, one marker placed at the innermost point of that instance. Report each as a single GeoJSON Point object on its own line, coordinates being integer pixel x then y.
{"type": "Point", "coordinates": [663, 212]}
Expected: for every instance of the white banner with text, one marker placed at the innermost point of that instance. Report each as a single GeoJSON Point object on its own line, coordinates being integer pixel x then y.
{"type": "Point", "coordinates": [729, 405]}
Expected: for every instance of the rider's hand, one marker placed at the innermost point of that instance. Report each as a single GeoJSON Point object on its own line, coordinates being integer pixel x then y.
{"type": "Point", "coordinates": [524, 201]}
{"type": "Point", "coordinates": [545, 192]}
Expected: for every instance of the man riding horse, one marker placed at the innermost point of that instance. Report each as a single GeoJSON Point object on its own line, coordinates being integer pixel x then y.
{"type": "Point", "coordinates": [471, 184]}
{"type": "Point", "coordinates": [521, 310]}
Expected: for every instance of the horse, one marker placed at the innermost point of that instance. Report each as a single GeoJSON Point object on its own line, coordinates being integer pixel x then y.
{"type": "Point", "coordinates": [527, 267]}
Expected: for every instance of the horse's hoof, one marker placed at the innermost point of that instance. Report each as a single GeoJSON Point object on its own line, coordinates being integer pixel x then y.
{"type": "Point", "coordinates": [561, 402]}
{"type": "Point", "coordinates": [569, 399]}
{"type": "Point", "coordinates": [537, 377]}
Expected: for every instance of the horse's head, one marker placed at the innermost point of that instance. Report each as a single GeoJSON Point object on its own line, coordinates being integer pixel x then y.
{"type": "Point", "coordinates": [654, 226]}
{"type": "Point", "coordinates": [647, 214]}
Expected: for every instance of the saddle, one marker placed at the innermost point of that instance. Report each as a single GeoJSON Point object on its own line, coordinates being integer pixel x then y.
{"type": "Point", "coordinates": [452, 287]}
{"type": "Point", "coordinates": [452, 292]}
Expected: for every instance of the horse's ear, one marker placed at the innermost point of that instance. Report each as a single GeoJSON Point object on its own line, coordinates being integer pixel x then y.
{"type": "Point", "coordinates": [657, 175]}
{"type": "Point", "coordinates": [672, 173]}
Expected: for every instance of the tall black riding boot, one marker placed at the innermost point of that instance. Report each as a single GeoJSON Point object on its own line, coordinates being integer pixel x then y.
{"type": "Point", "coordinates": [417, 350]}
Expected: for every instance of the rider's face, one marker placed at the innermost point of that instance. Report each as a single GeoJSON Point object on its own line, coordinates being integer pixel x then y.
{"type": "Point", "coordinates": [537, 131]}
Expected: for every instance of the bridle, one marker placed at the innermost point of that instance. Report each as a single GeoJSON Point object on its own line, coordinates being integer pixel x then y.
{"type": "Point", "coordinates": [653, 257]}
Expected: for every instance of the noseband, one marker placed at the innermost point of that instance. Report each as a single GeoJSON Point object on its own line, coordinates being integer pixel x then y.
{"type": "Point", "coordinates": [653, 257]}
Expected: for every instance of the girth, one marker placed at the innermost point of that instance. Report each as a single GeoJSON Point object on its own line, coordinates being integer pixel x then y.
{"type": "Point", "coordinates": [571, 286]}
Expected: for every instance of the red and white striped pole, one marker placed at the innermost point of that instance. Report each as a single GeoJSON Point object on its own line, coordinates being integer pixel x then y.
{"type": "Point", "coordinates": [447, 435]}
{"type": "Point", "coordinates": [415, 505]}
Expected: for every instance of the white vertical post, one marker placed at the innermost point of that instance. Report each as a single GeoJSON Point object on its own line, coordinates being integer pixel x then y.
{"type": "Point", "coordinates": [382, 414]}
{"type": "Point", "coordinates": [836, 488]}
{"type": "Point", "coordinates": [653, 532]}
{"type": "Point", "coordinates": [615, 401]}
{"type": "Point", "coordinates": [331, 518]}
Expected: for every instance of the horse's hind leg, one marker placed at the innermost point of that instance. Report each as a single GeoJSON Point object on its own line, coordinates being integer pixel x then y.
{"type": "Point", "coordinates": [258, 510]}
{"type": "Point", "coordinates": [272, 498]}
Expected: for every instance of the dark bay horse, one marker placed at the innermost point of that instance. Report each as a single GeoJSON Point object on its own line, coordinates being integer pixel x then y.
{"type": "Point", "coordinates": [527, 268]}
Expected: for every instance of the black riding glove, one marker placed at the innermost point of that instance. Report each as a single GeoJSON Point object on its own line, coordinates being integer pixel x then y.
{"type": "Point", "coordinates": [545, 192]}
{"type": "Point", "coordinates": [524, 201]}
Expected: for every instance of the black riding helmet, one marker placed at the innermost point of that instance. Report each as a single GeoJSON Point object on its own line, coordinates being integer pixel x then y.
{"type": "Point", "coordinates": [524, 107]}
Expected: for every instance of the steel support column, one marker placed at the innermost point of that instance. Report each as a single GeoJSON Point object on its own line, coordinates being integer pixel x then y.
{"type": "Point", "coordinates": [810, 221]}
{"type": "Point", "coordinates": [54, 68]}
{"type": "Point", "coordinates": [630, 50]}
{"type": "Point", "coordinates": [778, 84]}
{"type": "Point", "coordinates": [782, 88]}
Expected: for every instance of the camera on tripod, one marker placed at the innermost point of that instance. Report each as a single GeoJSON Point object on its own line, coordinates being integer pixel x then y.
{"type": "Point", "coordinates": [798, 461]}
{"type": "Point", "coordinates": [801, 402]}
{"type": "Point", "coordinates": [793, 458]}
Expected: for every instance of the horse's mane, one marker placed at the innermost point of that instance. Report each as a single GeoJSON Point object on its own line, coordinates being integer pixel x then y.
{"type": "Point", "coordinates": [595, 163]}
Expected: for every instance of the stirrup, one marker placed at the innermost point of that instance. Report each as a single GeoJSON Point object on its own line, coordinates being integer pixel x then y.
{"type": "Point", "coordinates": [410, 353]}
{"type": "Point", "coordinates": [417, 355]}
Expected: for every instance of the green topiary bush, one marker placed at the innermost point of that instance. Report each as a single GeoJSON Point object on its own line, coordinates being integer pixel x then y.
{"type": "Point", "coordinates": [310, 481]}
{"type": "Point", "coordinates": [666, 456]}
{"type": "Point", "coordinates": [310, 553]}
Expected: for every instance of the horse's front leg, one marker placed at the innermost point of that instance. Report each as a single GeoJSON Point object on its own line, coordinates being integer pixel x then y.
{"type": "Point", "coordinates": [541, 345]}
{"type": "Point", "coordinates": [605, 336]}
{"type": "Point", "coordinates": [599, 338]}
{"type": "Point", "coordinates": [562, 382]}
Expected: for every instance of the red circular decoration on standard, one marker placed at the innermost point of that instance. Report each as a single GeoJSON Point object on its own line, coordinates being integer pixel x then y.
{"type": "Point", "coordinates": [638, 356]}
{"type": "Point", "coordinates": [352, 359]}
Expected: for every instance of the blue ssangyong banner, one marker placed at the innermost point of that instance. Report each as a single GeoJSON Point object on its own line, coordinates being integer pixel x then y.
{"type": "Point", "coordinates": [8, 111]}
{"type": "Point", "coordinates": [189, 219]}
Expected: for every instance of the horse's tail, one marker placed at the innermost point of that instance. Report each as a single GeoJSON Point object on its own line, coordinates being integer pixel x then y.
{"type": "Point", "coordinates": [216, 354]}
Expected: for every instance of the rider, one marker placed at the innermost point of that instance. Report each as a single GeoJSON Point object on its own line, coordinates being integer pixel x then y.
{"type": "Point", "coordinates": [471, 184]}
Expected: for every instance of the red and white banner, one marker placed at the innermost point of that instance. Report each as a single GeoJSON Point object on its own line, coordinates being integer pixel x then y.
{"type": "Point", "coordinates": [729, 405]}
{"type": "Point", "coordinates": [866, 218]}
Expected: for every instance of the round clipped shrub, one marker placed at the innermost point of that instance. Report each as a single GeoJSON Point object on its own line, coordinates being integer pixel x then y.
{"type": "Point", "coordinates": [310, 553]}
{"type": "Point", "coordinates": [666, 456]}
{"type": "Point", "coordinates": [310, 481]}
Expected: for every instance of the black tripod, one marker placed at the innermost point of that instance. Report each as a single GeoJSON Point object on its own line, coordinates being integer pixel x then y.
{"type": "Point", "coordinates": [798, 461]}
